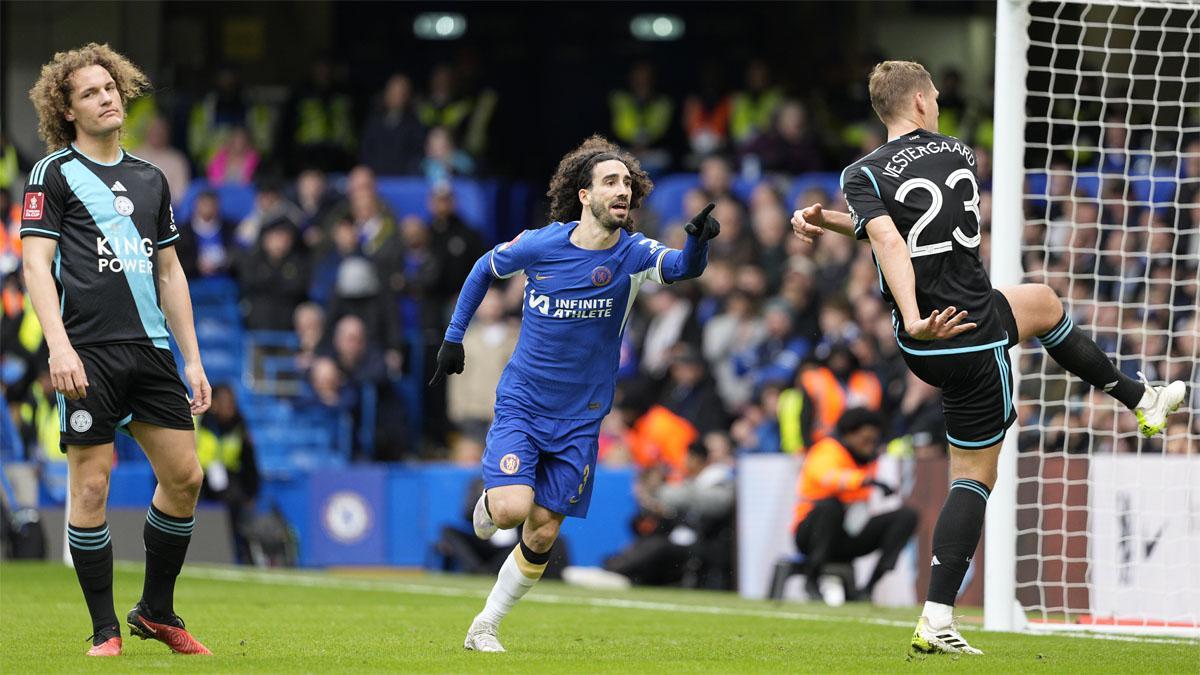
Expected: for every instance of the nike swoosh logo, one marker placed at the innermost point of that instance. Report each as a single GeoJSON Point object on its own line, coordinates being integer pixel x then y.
{"type": "Point", "coordinates": [539, 277]}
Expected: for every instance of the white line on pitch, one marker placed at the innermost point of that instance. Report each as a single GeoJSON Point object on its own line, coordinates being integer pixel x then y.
{"type": "Point", "coordinates": [332, 582]}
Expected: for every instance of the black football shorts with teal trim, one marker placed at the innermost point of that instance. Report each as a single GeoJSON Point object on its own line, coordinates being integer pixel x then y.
{"type": "Point", "coordinates": [127, 382]}
{"type": "Point", "coordinates": [977, 386]}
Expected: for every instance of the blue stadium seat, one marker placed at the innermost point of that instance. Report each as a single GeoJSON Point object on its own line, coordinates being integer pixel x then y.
{"type": "Point", "coordinates": [237, 201]}
{"type": "Point", "coordinates": [409, 195]}
{"type": "Point", "coordinates": [829, 181]}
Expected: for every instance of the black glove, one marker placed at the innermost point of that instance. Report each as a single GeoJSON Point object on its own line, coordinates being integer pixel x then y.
{"type": "Point", "coordinates": [450, 361]}
{"type": "Point", "coordinates": [887, 490]}
{"type": "Point", "coordinates": [703, 226]}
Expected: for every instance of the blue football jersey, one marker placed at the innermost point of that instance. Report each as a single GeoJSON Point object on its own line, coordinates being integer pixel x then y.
{"type": "Point", "coordinates": [577, 302]}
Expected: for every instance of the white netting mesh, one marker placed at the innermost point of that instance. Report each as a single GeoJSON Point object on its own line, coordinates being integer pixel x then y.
{"type": "Point", "coordinates": [1109, 524]}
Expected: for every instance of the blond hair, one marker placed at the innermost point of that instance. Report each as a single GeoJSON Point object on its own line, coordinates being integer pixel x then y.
{"type": "Point", "coordinates": [892, 84]}
{"type": "Point", "coordinates": [51, 95]}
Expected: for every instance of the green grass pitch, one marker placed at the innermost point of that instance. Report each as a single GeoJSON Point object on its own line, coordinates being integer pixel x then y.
{"type": "Point", "coordinates": [323, 622]}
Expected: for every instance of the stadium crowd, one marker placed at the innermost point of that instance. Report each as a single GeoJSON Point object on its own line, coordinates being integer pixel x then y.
{"type": "Point", "coordinates": [761, 355]}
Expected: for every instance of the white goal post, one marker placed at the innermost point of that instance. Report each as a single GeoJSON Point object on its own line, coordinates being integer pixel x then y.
{"type": "Point", "coordinates": [1097, 128]}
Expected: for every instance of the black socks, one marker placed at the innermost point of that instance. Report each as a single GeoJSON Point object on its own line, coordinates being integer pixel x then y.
{"type": "Point", "coordinates": [955, 538]}
{"type": "Point", "coordinates": [167, 539]}
{"type": "Point", "coordinates": [91, 552]}
{"type": "Point", "coordinates": [1080, 355]}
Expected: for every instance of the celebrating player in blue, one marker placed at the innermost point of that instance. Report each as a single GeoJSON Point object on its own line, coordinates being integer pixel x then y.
{"type": "Point", "coordinates": [917, 200]}
{"type": "Point", "coordinates": [582, 274]}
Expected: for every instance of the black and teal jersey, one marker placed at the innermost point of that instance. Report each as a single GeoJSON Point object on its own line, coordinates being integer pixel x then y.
{"type": "Point", "coordinates": [926, 183]}
{"type": "Point", "coordinates": [110, 220]}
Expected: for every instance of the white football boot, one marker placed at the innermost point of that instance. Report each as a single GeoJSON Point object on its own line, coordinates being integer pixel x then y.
{"type": "Point", "coordinates": [482, 637]}
{"type": "Point", "coordinates": [929, 640]}
{"type": "Point", "coordinates": [1156, 404]}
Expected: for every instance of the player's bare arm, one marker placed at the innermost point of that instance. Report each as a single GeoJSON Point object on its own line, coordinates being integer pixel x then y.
{"type": "Point", "coordinates": [811, 222]}
{"type": "Point", "coordinates": [66, 370]}
{"type": "Point", "coordinates": [177, 307]}
{"type": "Point", "coordinates": [894, 261]}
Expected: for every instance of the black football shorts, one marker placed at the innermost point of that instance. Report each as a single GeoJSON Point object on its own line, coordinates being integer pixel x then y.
{"type": "Point", "coordinates": [127, 382]}
{"type": "Point", "coordinates": [977, 387]}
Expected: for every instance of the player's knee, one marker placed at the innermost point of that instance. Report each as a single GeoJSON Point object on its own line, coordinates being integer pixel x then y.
{"type": "Point", "coordinates": [92, 492]}
{"type": "Point", "coordinates": [508, 513]}
{"type": "Point", "coordinates": [1049, 303]}
{"type": "Point", "coordinates": [186, 484]}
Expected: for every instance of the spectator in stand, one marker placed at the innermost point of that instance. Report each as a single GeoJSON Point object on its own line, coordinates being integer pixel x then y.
{"type": "Point", "coordinates": [684, 529]}
{"type": "Point", "coordinates": [771, 230]}
{"type": "Point", "coordinates": [654, 436]}
{"type": "Point", "coordinates": [471, 398]}
{"type": "Point", "coordinates": [836, 480]}
{"type": "Point", "coordinates": [270, 205]}
{"type": "Point", "coordinates": [641, 118]}
{"type": "Point", "coordinates": [716, 179]}
{"type": "Point", "coordinates": [737, 329]}
{"type": "Point", "coordinates": [273, 278]}
{"type": "Point", "coordinates": [224, 107]}
{"type": "Point", "coordinates": [378, 233]}
{"type": "Point", "coordinates": [789, 147]}
{"type": "Point", "coordinates": [158, 151]}
{"type": "Point", "coordinates": [235, 160]}
{"type": "Point", "coordinates": [741, 248]}
{"type": "Point", "coordinates": [318, 123]}
{"type": "Point", "coordinates": [690, 392]}
{"type": "Point", "coordinates": [758, 429]}
{"type": "Point", "coordinates": [308, 322]}
{"type": "Point", "coordinates": [393, 141]}
{"type": "Point", "coordinates": [418, 274]}
{"type": "Point", "coordinates": [754, 107]}
{"type": "Point", "coordinates": [326, 382]}
{"type": "Point", "coordinates": [359, 293]}
{"type": "Point", "coordinates": [325, 271]}
{"type": "Point", "coordinates": [483, 99]}
{"type": "Point", "coordinates": [778, 355]}
{"type": "Point", "coordinates": [316, 201]}
{"type": "Point", "coordinates": [671, 322]}
{"type": "Point", "coordinates": [349, 378]}
{"type": "Point", "coordinates": [837, 384]}
{"type": "Point", "coordinates": [706, 116]}
{"type": "Point", "coordinates": [226, 453]}
{"type": "Point", "coordinates": [360, 184]}
{"type": "Point", "coordinates": [206, 245]}
{"type": "Point", "coordinates": [955, 116]}
{"type": "Point", "coordinates": [365, 382]}
{"type": "Point", "coordinates": [455, 246]}
{"type": "Point", "coordinates": [444, 106]}
{"type": "Point", "coordinates": [443, 160]}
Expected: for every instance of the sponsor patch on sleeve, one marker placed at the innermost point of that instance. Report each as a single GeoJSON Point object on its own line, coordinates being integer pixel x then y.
{"type": "Point", "coordinates": [34, 202]}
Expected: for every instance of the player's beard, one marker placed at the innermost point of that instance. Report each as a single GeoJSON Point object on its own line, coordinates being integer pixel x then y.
{"type": "Point", "coordinates": [608, 221]}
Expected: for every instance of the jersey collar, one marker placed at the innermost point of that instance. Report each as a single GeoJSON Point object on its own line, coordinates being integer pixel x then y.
{"type": "Point", "coordinates": [96, 161]}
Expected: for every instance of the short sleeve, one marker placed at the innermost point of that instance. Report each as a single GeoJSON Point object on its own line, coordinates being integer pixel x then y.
{"type": "Point", "coordinates": [863, 196]}
{"type": "Point", "coordinates": [42, 205]}
{"type": "Point", "coordinates": [168, 232]}
{"type": "Point", "coordinates": [512, 257]}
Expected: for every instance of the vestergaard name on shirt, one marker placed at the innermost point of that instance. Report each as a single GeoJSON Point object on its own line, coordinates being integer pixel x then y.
{"type": "Point", "coordinates": [906, 156]}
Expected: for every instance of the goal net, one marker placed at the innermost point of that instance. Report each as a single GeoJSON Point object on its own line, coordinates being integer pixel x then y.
{"type": "Point", "coordinates": [1107, 524]}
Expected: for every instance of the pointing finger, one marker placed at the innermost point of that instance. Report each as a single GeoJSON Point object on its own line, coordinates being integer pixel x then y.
{"type": "Point", "coordinates": [704, 213]}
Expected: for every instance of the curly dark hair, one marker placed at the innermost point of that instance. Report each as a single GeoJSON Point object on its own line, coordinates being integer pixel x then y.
{"type": "Point", "coordinates": [574, 173]}
{"type": "Point", "coordinates": [51, 95]}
